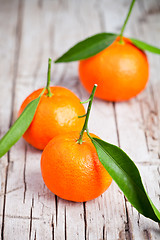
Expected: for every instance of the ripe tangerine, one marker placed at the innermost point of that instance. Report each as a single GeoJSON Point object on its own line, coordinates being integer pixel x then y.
{"type": "Point", "coordinates": [54, 115]}
{"type": "Point", "coordinates": [73, 171]}
{"type": "Point", "coordinates": [121, 71]}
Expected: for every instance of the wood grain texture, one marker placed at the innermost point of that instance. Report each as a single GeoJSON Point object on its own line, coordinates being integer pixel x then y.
{"type": "Point", "coordinates": [40, 29]}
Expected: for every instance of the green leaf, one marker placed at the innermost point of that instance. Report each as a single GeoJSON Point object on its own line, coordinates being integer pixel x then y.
{"type": "Point", "coordinates": [19, 127]}
{"type": "Point", "coordinates": [88, 47]}
{"type": "Point", "coordinates": [145, 46]}
{"type": "Point", "coordinates": [125, 173]}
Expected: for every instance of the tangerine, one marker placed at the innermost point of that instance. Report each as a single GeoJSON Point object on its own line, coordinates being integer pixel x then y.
{"type": "Point", "coordinates": [73, 171]}
{"type": "Point", "coordinates": [54, 115]}
{"type": "Point", "coordinates": [121, 71]}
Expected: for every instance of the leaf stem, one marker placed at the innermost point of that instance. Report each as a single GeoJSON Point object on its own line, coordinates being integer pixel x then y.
{"type": "Point", "coordinates": [85, 126]}
{"type": "Point", "coordinates": [42, 92]}
{"type": "Point", "coordinates": [88, 100]}
{"type": "Point", "coordinates": [126, 20]}
{"type": "Point", "coordinates": [82, 116]}
{"type": "Point", "coordinates": [49, 94]}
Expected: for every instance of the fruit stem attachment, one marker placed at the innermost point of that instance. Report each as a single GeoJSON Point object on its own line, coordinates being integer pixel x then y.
{"type": "Point", "coordinates": [49, 94]}
{"type": "Point", "coordinates": [85, 126]}
{"type": "Point", "coordinates": [126, 20]}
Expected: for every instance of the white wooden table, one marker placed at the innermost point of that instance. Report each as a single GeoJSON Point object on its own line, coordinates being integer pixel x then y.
{"type": "Point", "coordinates": [30, 32]}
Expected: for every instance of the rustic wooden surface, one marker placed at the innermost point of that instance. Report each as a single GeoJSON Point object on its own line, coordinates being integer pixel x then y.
{"type": "Point", "coordinates": [30, 32]}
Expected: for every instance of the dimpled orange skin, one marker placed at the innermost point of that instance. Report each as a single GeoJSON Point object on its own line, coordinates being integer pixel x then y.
{"type": "Point", "coordinates": [121, 71]}
{"type": "Point", "coordinates": [54, 115]}
{"type": "Point", "coordinates": [73, 171]}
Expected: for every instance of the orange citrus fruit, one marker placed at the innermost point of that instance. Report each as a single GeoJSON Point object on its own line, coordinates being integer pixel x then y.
{"type": "Point", "coordinates": [121, 71]}
{"type": "Point", "coordinates": [73, 171]}
{"type": "Point", "coordinates": [54, 115]}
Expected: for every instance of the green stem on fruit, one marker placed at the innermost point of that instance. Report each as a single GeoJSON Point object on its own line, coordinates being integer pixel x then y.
{"type": "Point", "coordinates": [85, 126]}
{"type": "Point", "coordinates": [49, 94]}
{"type": "Point", "coordinates": [126, 20]}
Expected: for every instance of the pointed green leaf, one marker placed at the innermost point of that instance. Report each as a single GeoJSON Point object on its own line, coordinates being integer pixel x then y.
{"type": "Point", "coordinates": [145, 46]}
{"type": "Point", "coordinates": [125, 173]}
{"type": "Point", "coordinates": [88, 47]}
{"type": "Point", "coordinates": [19, 127]}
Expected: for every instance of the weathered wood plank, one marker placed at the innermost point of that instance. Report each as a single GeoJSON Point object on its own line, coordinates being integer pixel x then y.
{"type": "Point", "coordinates": [8, 54]}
